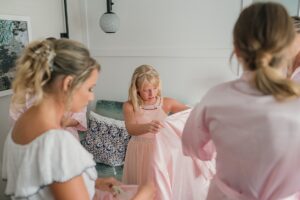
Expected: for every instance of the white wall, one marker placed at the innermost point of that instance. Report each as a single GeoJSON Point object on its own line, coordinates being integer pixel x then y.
{"type": "Point", "coordinates": [188, 42]}
{"type": "Point", "coordinates": [46, 20]}
{"type": "Point", "coordinates": [185, 79]}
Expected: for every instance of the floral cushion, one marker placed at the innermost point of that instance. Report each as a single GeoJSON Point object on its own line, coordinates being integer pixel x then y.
{"type": "Point", "coordinates": [106, 139]}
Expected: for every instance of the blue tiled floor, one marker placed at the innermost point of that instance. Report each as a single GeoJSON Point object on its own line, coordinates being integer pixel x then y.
{"type": "Point", "coordinates": [106, 171]}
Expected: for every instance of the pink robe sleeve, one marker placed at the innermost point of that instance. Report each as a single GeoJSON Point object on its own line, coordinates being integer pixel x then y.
{"type": "Point", "coordinates": [81, 118]}
{"type": "Point", "coordinates": [14, 115]}
{"type": "Point", "coordinates": [196, 139]}
{"type": "Point", "coordinates": [296, 75]}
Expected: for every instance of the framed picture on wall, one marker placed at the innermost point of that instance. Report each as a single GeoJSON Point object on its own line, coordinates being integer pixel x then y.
{"type": "Point", "coordinates": [15, 33]}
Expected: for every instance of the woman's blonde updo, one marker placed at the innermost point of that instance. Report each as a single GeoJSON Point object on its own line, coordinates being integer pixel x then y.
{"type": "Point", "coordinates": [42, 62]}
{"type": "Point", "coordinates": [141, 75]}
{"type": "Point", "coordinates": [263, 35]}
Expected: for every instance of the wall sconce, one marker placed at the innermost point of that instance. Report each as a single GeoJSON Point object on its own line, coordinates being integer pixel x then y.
{"type": "Point", "coordinates": [65, 34]}
{"type": "Point", "coordinates": [109, 21]}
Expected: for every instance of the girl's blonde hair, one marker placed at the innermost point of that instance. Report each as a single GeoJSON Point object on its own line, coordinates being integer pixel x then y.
{"type": "Point", "coordinates": [142, 74]}
{"type": "Point", "coordinates": [42, 62]}
{"type": "Point", "coordinates": [262, 36]}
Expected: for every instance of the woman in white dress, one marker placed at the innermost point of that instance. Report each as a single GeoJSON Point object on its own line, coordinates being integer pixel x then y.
{"type": "Point", "coordinates": [42, 160]}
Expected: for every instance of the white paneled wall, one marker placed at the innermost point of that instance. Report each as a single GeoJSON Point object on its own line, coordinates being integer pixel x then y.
{"type": "Point", "coordinates": [188, 42]}
{"type": "Point", "coordinates": [186, 79]}
{"type": "Point", "coordinates": [164, 26]}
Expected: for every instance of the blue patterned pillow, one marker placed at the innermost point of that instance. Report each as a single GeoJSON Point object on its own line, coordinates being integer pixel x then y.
{"type": "Point", "coordinates": [106, 139]}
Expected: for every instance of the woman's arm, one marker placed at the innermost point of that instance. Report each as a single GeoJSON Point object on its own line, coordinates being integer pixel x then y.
{"type": "Point", "coordinates": [173, 106]}
{"type": "Point", "coordinates": [73, 189]}
{"type": "Point", "coordinates": [196, 138]}
{"type": "Point", "coordinates": [133, 127]}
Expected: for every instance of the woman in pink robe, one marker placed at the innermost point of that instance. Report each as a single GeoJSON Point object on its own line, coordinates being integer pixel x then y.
{"type": "Point", "coordinates": [254, 122]}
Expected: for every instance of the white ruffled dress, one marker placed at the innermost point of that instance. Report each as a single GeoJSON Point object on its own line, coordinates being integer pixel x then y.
{"type": "Point", "coordinates": [55, 156]}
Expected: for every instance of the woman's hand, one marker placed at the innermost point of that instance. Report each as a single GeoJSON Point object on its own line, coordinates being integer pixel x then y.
{"type": "Point", "coordinates": [106, 184]}
{"type": "Point", "coordinates": [154, 126]}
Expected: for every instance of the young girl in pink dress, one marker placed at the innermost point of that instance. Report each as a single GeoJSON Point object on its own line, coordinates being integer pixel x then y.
{"type": "Point", "coordinates": [154, 153]}
{"type": "Point", "coordinates": [143, 113]}
{"type": "Point", "coordinates": [254, 122]}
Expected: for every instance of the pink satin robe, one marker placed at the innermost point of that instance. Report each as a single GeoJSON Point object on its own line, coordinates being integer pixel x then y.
{"type": "Point", "coordinates": [257, 141]}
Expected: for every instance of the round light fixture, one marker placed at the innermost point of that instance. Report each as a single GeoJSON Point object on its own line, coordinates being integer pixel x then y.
{"type": "Point", "coordinates": [109, 21]}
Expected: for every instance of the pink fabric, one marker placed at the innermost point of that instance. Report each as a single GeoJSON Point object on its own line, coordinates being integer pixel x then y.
{"type": "Point", "coordinates": [296, 75]}
{"type": "Point", "coordinates": [81, 118]}
{"type": "Point", "coordinates": [140, 149]}
{"type": "Point", "coordinates": [129, 192]}
{"type": "Point", "coordinates": [177, 176]}
{"type": "Point", "coordinates": [257, 141]}
{"type": "Point", "coordinates": [236, 195]}
{"type": "Point", "coordinates": [14, 115]}
{"type": "Point", "coordinates": [82, 126]}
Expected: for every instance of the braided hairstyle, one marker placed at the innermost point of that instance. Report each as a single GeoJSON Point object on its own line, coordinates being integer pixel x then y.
{"type": "Point", "coordinates": [42, 62]}
{"type": "Point", "coordinates": [262, 35]}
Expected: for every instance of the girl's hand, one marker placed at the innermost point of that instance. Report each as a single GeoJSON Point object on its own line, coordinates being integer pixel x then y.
{"type": "Point", "coordinates": [154, 126]}
{"type": "Point", "coordinates": [106, 184]}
